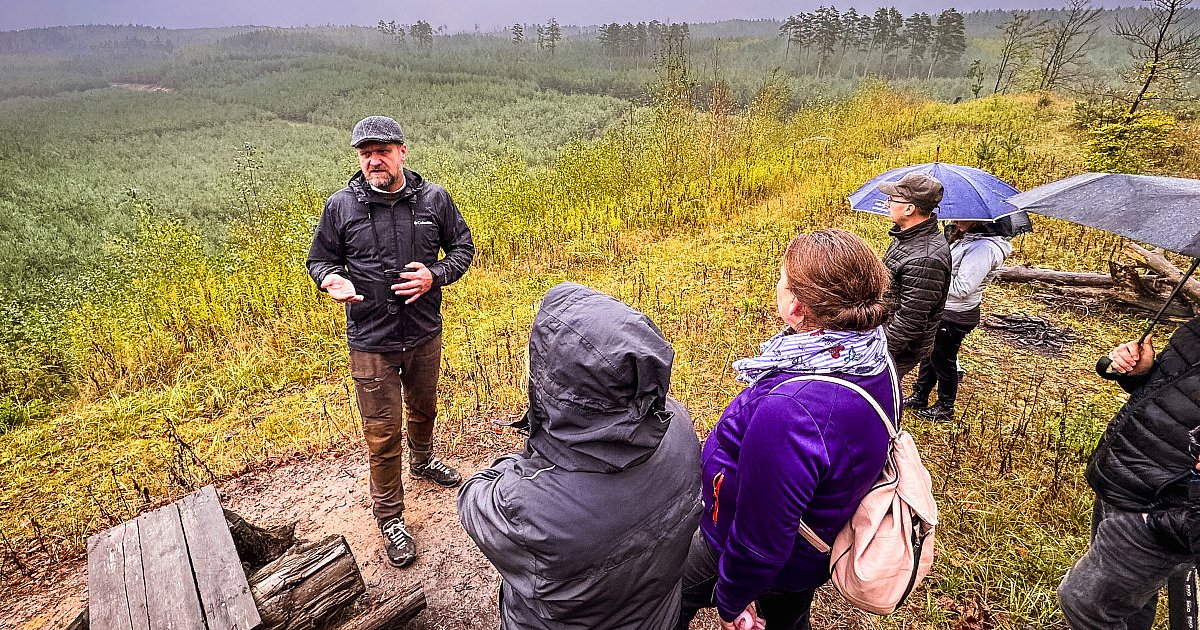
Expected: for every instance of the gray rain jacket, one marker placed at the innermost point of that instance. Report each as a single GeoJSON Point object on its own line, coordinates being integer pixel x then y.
{"type": "Point", "coordinates": [590, 525]}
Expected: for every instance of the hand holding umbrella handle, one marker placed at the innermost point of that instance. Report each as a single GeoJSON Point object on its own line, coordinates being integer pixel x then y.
{"type": "Point", "coordinates": [1102, 369]}
{"type": "Point", "coordinates": [1103, 365]}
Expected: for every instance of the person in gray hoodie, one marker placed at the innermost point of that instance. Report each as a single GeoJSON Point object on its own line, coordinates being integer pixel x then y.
{"type": "Point", "coordinates": [590, 524]}
{"type": "Point", "coordinates": [976, 252]}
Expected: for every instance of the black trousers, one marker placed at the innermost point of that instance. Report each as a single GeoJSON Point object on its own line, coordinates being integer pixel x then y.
{"type": "Point", "coordinates": [940, 368]}
{"type": "Point", "coordinates": [781, 611]}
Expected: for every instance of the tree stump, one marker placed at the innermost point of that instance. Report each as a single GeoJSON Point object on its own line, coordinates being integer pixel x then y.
{"type": "Point", "coordinates": [257, 546]}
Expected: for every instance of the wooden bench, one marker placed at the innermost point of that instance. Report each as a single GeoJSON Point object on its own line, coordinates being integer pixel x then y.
{"type": "Point", "coordinates": [175, 567]}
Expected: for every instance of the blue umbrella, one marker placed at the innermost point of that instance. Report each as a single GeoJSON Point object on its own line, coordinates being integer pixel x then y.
{"type": "Point", "coordinates": [971, 194]}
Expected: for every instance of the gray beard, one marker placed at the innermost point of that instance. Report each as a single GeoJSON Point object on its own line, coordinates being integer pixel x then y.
{"type": "Point", "coordinates": [381, 181]}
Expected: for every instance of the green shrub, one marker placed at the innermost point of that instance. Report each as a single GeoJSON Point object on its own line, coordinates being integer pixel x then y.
{"type": "Point", "coordinates": [1132, 144]}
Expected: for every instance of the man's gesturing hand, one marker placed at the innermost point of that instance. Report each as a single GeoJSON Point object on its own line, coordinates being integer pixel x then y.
{"type": "Point", "coordinates": [340, 289]}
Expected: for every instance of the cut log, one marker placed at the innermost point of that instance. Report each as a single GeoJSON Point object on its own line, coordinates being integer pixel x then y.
{"type": "Point", "coordinates": [1155, 261]}
{"type": "Point", "coordinates": [392, 614]}
{"type": "Point", "coordinates": [80, 622]}
{"type": "Point", "coordinates": [307, 586]}
{"type": "Point", "coordinates": [1050, 276]}
{"type": "Point", "coordinates": [257, 546]}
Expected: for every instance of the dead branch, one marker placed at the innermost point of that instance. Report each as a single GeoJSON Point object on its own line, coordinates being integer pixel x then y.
{"type": "Point", "coordinates": [1154, 260]}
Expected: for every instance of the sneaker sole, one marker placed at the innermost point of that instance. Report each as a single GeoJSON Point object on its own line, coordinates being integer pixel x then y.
{"type": "Point", "coordinates": [401, 565]}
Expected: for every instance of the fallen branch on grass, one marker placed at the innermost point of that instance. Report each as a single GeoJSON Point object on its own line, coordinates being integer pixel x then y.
{"type": "Point", "coordinates": [1123, 287]}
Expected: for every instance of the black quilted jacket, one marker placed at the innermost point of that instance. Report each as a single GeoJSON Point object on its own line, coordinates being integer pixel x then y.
{"type": "Point", "coordinates": [1142, 462]}
{"type": "Point", "coordinates": [919, 259]}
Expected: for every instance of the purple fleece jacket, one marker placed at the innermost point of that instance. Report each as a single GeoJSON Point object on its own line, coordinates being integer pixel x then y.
{"type": "Point", "coordinates": [807, 450]}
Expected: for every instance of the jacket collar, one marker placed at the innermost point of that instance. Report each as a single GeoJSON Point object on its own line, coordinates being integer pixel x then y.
{"type": "Point", "coordinates": [924, 228]}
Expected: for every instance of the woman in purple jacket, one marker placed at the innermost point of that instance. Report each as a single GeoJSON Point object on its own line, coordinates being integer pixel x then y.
{"type": "Point", "coordinates": [786, 450]}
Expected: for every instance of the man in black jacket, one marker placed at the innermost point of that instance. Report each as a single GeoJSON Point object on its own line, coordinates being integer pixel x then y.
{"type": "Point", "coordinates": [919, 259]}
{"type": "Point", "coordinates": [1140, 472]}
{"type": "Point", "coordinates": [376, 250]}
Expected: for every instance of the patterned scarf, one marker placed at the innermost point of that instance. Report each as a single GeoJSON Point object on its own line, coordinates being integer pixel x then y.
{"type": "Point", "coordinates": [817, 352]}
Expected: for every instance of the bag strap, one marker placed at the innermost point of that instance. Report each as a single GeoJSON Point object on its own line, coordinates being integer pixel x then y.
{"type": "Point", "coordinates": [803, 529]}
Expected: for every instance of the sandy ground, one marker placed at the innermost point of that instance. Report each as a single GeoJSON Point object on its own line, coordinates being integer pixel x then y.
{"type": "Point", "coordinates": [327, 494]}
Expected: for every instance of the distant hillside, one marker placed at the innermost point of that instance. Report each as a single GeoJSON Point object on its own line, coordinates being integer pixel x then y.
{"type": "Point", "coordinates": [77, 40]}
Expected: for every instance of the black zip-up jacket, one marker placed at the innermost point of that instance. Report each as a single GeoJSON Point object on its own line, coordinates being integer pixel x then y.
{"type": "Point", "coordinates": [361, 234]}
{"type": "Point", "coordinates": [919, 259]}
{"type": "Point", "coordinates": [1142, 463]}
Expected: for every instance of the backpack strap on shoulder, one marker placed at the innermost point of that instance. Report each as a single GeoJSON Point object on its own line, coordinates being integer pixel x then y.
{"type": "Point", "coordinates": [804, 530]}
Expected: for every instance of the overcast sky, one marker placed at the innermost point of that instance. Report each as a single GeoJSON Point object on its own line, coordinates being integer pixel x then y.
{"type": "Point", "coordinates": [458, 15]}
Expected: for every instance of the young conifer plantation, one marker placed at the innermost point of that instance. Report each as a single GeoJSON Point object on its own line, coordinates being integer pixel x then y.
{"type": "Point", "coordinates": [159, 190]}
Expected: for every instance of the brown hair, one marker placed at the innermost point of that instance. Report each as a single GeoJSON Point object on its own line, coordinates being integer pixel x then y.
{"type": "Point", "coordinates": [838, 278]}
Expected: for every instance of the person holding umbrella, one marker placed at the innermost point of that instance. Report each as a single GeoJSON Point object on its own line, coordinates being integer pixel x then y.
{"type": "Point", "coordinates": [960, 193]}
{"type": "Point", "coordinates": [919, 261]}
{"type": "Point", "coordinates": [1141, 467]}
{"type": "Point", "coordinates": [1139, 472]}
{"type": "Point", "coordinates": [977, 250]}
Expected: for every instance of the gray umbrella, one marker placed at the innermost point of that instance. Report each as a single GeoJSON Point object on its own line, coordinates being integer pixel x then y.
{"type": "Point", "coordinates": [1162, 211]}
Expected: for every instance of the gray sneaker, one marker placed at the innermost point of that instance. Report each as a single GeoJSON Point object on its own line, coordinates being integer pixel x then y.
{"type": "Point", "coordinates": [436, 471]}
{"type": "Point", "coordinates": [398, 543]}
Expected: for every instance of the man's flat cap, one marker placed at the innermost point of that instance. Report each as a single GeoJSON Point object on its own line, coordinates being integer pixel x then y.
{"type": "Point", "coordinates": [376, 129]}
{"type": "Point", "coordinates": [916, 188]}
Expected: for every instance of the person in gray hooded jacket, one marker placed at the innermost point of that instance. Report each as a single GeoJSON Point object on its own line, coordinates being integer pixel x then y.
{"type": "Point", "coordinates": [589, 526]}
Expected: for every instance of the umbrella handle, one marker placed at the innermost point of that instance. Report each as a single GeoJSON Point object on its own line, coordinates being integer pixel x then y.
{"type": "Point", "coordinates": [1102, 369]}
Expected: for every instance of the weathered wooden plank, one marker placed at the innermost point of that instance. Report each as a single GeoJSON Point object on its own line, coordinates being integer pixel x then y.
{"type": "Point", "coordinates": [108, 608]}
{"type": "Point", "coordinates": [171, 592]}
{"type": "Point", "coordinates": [224, 592]}
{"type": "Point", "coordinates": [135, 578]}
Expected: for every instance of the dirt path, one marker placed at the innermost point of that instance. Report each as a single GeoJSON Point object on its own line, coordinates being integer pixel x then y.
{"type": "Point", "coordinates": [327, 494]}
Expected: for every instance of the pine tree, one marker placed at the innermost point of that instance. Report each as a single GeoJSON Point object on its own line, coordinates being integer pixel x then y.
{"type": "Point", "coordinates": [918, 33]}
{"type": "Point", "coordinates": [949, 41]}
{"type": "Point", "coordinates": [422, 33]}
{"type": "Point", "coordinates": [553, 35]}
{"type": "Point", "coordinates": [827, 30]}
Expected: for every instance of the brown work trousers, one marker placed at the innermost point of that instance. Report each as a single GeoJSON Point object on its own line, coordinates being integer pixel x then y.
{"type": "Point", "coordinates": [384, 382]}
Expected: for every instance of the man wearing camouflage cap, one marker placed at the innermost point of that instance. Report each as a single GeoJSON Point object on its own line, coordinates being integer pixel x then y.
{"type": "Point", "coordinates": [919, 259]}
{"type": "Point", "coordinates": [376, 250]}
